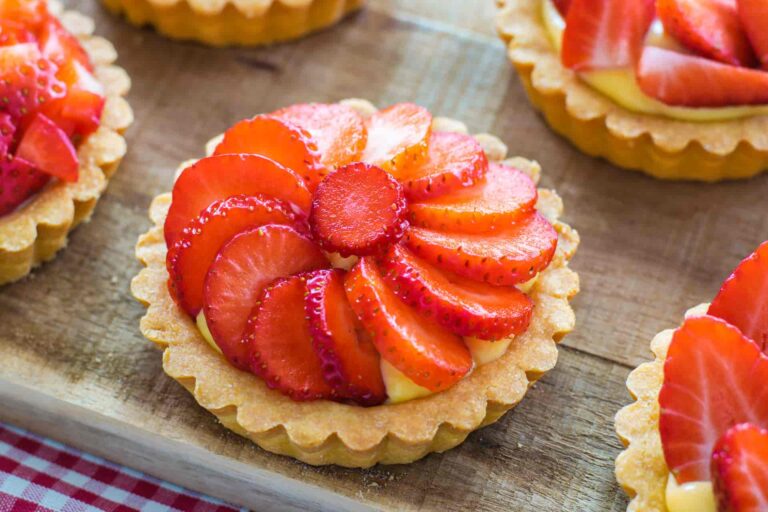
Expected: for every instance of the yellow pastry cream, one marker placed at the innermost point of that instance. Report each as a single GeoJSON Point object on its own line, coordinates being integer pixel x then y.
{"type": "Point", "coordinates": [621, 86]}
{"type": "Point", "coordinates": [690, 497]}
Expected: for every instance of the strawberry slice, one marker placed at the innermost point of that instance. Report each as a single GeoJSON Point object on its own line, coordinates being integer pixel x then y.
{"type": "Point", "coordinates": [278, 140]}
{"type": "Point", "coordinates": [280, 346]}
{"type": "Point", "coordinates": [754, 18]}
{"type": "Point", "coordinates": [503, 197]}
{"type": "Point", "coordinates": [563, 6]}
{"type": "Point", "coordinates": [501, 258]}
{"type": "Point", "coordinates": [604, 34]}
{"type": "Point", "coordinates": [714, 378]}
{"type": "Point", "coordinates": [689, 81]}
{"type": "Point", "coordinates": [57, 44]}
{"type": "Point", "coordinates": [463, 306]}
{"type": "Point", "coordinates": [219, 177]}
{"type": "Point", "coordinates": [397, 135]}
{"type": "Point", "coordinates": [453, 161]}
{"type": "Point", "coordinates": [709, 28]}
{"type": "Point", "coordinates": [740, 469]}
{"type": "Point", "coordinates": [429, 355]}
{"type": "Point", "coordinates": [18, 181]}
{"type": "Point", "coordinates": [79, 112]}
{"type": "Point", "coordinates": [14, 32]}
{"type": "Point", "coordinates": [338, 130]}
{"type": "Point", "coordinates": [743, 299]}
{"type": "Point", "coordinates": [47, 148]}
{"type": "Point", "coordinates": [27, 80]}
{"type": "Point", "coordinates": [243, 268]}
{"type": "Point", "coordinates": [349, 360]}
{"type": "Point", "coordinates": [190, 257]}
{"type": "Point", "coordinates": [358, 210]}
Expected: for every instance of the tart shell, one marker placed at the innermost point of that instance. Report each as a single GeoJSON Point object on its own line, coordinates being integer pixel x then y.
{"type": "Point", "coordinates": [664, 148]}
{"type": "Point", "coordinates": [324, 432]}
{"type": "Point", "coordinates": [234, 22]}
{"type": "Point", "coordinates": [34, 232]}
{"type": "Point", "coordinates": [641, 469]}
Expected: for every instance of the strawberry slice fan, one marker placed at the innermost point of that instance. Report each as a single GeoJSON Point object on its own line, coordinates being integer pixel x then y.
{"type": "Point", "coordinates": [706, 399]}
{"type": "Point", "coordinates": [349, 285]}
{"type": "Point", "coordinates": [51, 134]}
{"type": "Point", "coordinates": [675, 88]}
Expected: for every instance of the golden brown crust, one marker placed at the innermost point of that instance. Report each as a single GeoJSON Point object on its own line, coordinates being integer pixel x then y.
{"type": "Point", "coordinates": [324, 432]}
{"type": "Point", "coordinates": [234, 22]}
{"type": "Point", "coordinates": [35, 232]}
{"type": "Point", "coordinates": [663, 147]}
{"type": "Point", "coordinates": [641, 469]}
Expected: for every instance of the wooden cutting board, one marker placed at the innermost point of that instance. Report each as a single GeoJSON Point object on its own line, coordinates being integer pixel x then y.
{"type": "Point", "coordinates": [74, 366]}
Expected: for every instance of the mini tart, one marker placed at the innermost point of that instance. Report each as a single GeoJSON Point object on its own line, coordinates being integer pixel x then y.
{"type": "Point", "coordinates": [234, 22]}
{"type": "Point", "coordinates": [34, 233]}
{"type": "Point", "coordinates": [641, 469]}
{"type": "Point", "coordinates": [662, 147]}
{"type": "Point", "coordinates": [325, 432]}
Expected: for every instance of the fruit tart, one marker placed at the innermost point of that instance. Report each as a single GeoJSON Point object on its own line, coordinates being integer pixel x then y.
{"type": "Point", "coordinates": [697, 436]}
{"type": "Point", "coordinates": [61, 116]}
{"type": "Point", "coordinates": [234, 22]}
{"type": "Point", "coordinates": [675, 88]}
{"type": "Point", "coordinates": [355, 286]}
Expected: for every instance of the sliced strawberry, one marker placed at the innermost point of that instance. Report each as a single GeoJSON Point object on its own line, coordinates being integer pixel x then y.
{"type": "Point", "coordinates": [743, 299]}
{"type": "Point", "coordinates": [350, 362]}
{"type": "Point", "coordinates": [338, 130]}
{"type": "Point", "coordinates": [501, 258]}
{"type": "Point", "coordinates": [18, 181]}
{"type": "Point", "coordinates": [689, 81]}
{"type": "Point", "coordinates": [463, 306]}
{"type": "Point", "coordinates": [279, 343]}
{"type": "Point", "coordinates": [14, 32]}
{"type": "Point", "coordinates": [78, 113]}
{"type": "Point", "coordinates": [453, 161]}
{"type": "Point", "coordinates": [190, 257]}
{"type": "Point", "coordinates": [243, 268]}
{"type": "Point", "coordinates": [563, 6]}
{"type": "Point", "coordinates": [358, 210]}
{"type": "Point", "coordinates": [709, 28]}
{"type": "Point", "coordinates": [27, 80]}
{"type": "Point", "coordinates": [429, 355]}
{"type": "Point", "coordinates": [397, 135]}
{"type": "Point", "coordinates": [505, 195]}
{"type": "Point", "coordinates": [47, 148]}
{"type": "Point", "coordinates": [754, 18]}
{"type": "Point", "coordinates": [714, 378]}
{"type": "Point", "coordinates": [31, 13]}
{"type": "Point", "coordinates": [604, 34]}
{"type": "Point", "coordinates": [8, 129]}
{"type": "Point", "coordinates": [219, 177]}
{"type": "Point", "coordinates": [740, 469]}
{"type": "Point", "coordinates": [281, 141]}
{"type": "Point", "coordinates": [57, 44]}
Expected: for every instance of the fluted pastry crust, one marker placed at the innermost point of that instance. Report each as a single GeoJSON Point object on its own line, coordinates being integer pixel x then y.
{"type": "Point", "coordinates": [35, 232]}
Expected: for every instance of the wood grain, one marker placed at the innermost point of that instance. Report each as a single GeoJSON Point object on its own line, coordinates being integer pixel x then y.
{"type": "Point", "coordinates": [650, 250]}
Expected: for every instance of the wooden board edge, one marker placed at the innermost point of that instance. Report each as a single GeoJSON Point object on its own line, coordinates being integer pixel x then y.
{"type": "Point", "coordinates": [167, 459]}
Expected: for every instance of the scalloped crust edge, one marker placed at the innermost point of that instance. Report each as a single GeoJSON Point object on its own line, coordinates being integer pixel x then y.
{"type": "Point", "coordinates": [324, 432]}
{"type": "Point", "coordinates": [662, 147]}
{"type": "Point", "coordinates": [34, 233]}
{"type": "Point", "coordinates": [641, 469]}
{"type": "Point", "coordinates": [234, 22]}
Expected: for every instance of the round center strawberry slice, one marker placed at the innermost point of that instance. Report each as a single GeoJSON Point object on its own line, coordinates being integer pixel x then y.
{"type": "Point", "coordinates": [358, 210]}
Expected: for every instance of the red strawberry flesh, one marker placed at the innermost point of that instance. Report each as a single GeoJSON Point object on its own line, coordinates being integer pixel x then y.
{"type": "Point", "coordinates": [48, 149]}
{"type": "Point", "coordinates": [453, 161]}
{"type": "Point", "coordinates": [714, 378]}
{"type": "Point", "coordinates": [463, 306]}
{"type": "Point", "coordinates": [18, 182]}
{"type": "Point", "coordinates": [246, 264]}
{"type": "Point", "coordinates": [279, 344]}
{"type": "Point", "coordinates": [743, 298]}
{"type": "Point", "coordinates": [754, 18]}
{"type": "Point", "coordinates": [358, 210]}
{"type": "Point", "coordinates": [190, 257]}
{"type": "Point", "coordinates": [501, 258]}
{"type": "Point", "coordinates": [397, 135]}
{"type": "Point", "coordinates": [503, 197]}
{"type": "Point", "coordinates": [740, 469]}
{"type": "Point", "coordinates": [427, 354]}
{"type": "Point", "coordinates": [279, 140]}
{"type": "Point", "coordinates": [350, 362]}
{"type": "Point", "coordinates": [222, 176]}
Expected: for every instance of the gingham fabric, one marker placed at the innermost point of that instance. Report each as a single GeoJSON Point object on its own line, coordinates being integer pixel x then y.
{"type": "Point", "coordinates": [38, 475]}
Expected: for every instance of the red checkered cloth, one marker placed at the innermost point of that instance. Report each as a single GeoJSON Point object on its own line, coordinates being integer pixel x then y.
{"type": "Point", "coordinates": [38, 475]}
